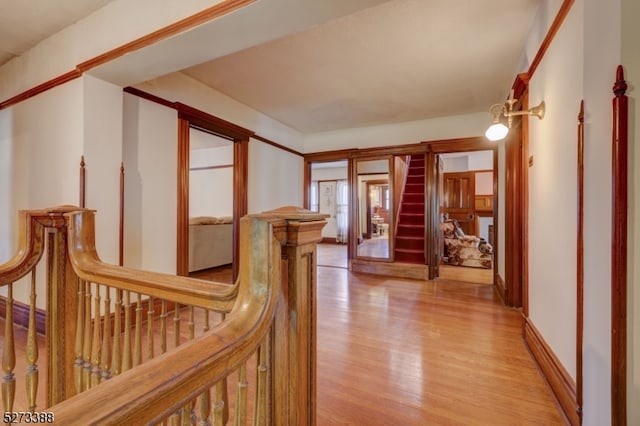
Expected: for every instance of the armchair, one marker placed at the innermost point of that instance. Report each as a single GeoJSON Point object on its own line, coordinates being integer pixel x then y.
{"type": "Point", "coordinates": [464, 250]}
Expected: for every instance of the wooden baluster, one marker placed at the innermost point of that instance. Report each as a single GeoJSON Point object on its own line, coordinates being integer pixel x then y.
{"type": "Point", "coordinates": [188, 412]}
{"type": "Point", "coordinates": [32, 349]}
{"type": "Point", "coordinates": [192, 323]}
{"type": "Point", "coordinates": [95, 345]}
{"type": "Point", "coordinates": [261, 413]}
{"type": "Point", "coordinates": [163, 327]}
{"type": "Point", "coordinates": [176, 326]}
{"type": "Point", "coordinates": [241, 397]}
{"type": "Point", "coordinates": [150, 320]}
{"type": "Point", "coordinates": [222, 390]}
{"type": "Point", "coordinates": [105, 360]}
{"type": "Point", "coordinates": [116, 355]}
{"type": "Point", "coordinates": [207, 321]}
{"type": "Point", "coordinates": [78, 366]}
{"type": "Point", "coordinates": [204, 402]}
{"type": "Point", "coordinates": [137, 344]}
{"type": "Point", "coordinates": [175, 418]}
{"type": "Point", "coordinates": [204, 399]}
{"type": "Point", "coordinates": [126, 348]}
{"type": "Point", "coordinates": [218, 406]}
{"type": "Point", "coordinates": [8, 356]}
{"type": "Point", "coordinates": [86, 349]}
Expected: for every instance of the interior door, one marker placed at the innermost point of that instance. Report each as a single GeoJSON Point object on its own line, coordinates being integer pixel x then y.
{"type": "Point", "coordinates": [458, 199]}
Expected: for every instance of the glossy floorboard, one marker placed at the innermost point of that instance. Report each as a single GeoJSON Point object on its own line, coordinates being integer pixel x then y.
{"type": "Point", "coordinates": [406, 352]}
{"type": "Point", "coordinates": [402, 352]}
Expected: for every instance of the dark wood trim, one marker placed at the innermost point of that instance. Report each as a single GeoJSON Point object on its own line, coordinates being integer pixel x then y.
{"type": "Point", "coordinates": [171, 30]}
{"type": "Point", "coordinates": [500, 287]}
{"type": "Point", "coordinates": [562, 385]}
{"type": "Point", "coordinates": [476, 143]}
{"type": "Point", "coordinates": [189, 22]}
{"type": "Point", "coordinates": [216, 125]}
{"type": "Point", "coordinates": [34, 91]}
{"type": "Point", "coordinates": [83, 184]}
{"type": "Point", "coordinates": [21, 315]}
{"type": "Point", "coordinates": [329, 240]}
{"type": "Point", "coordinates": [516, 202]}
{"type": "Point", "coordinates": [182, 228]}
{"type": "Point", "coordinates": [431, 215]}
{"type": "Point", "coordinates": [121, 218]}
{"type": "Point", "coordinates": [223, 166]}
{"type": "Point", "coordinates": [580, 262]}
{"type": "Point", "coordinates": [326, 156]}
{"type": "Point", "coordinates": [240, 196]}
{"type": "Point", "coordinates": [306, 178]}
{"type": "Point", "coordinates": [277, 145]}
{"type": "Point", "coordinates": [619, 188]}
{"type": "Point", "coordinates": [551, 33]}
{"type": "Point", "coordinates": [148, 96]}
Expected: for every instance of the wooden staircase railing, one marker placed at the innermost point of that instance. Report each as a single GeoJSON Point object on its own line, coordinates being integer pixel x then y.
{"type": "Point", "coordinates": [111, 360]}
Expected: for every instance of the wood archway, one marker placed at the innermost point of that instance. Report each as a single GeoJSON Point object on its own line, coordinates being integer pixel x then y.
{"type": "Point", "coordinates": [189, 117]}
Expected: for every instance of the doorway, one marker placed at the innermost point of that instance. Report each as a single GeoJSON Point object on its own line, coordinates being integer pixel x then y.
{"type": "Point", "coordinates": [329, 194]}
{"type": "Point", "coordinates": [210, 254]}
{"type": "Point", "coordinates": [466, 194]}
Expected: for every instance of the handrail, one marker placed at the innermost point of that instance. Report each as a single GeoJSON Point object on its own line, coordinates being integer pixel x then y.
{"type": "Point", "coordinates": [88, 266]}
{"type": "Point", "coordinates": [155, 391]}
{"type": "Point", "coordinates": [267, 323]}
{"type": "Point", "coordinates": [31, 226]}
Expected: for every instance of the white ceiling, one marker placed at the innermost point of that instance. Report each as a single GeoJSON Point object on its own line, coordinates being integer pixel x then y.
{"type": "Point", "coordinates": [402, 60]}
{"type": "Point", "coordinates": [376, 62]}
{"type": "Point", "coordinates": [25, 23]}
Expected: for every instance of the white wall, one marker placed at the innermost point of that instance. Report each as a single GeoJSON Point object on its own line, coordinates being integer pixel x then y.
{"type": "Point", "coordinates": [602, 55]}
{"type": "Point", "coordinates": [150, 160]}
{"type": "Point", "coordinates": [102, 149]}
{"type": "Point", "coordinates": [631, 61]}
{"type": "Point", "coordinates": [90, 37]}
{"type": "Point", "coordinates": [182, 88]}
{"type": "Point", "coordinates": [552, 184]}
{"type": "Point", "coordinates": [211, 190]}
{"type": "Point", "coordinates": [275, 178]}
{"type": "Point", "coordinates": [42, 138]}
{"type": "Point", "coordinates": [461, 126]}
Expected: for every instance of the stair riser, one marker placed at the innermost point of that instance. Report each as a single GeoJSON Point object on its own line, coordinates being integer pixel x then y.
{"type": "Point", "coordinates": [410, 231]}
{"type": "Point", "coordinates": [418, 179]}
{"type": "Point", "coordinates": [413, 208]}
{"type": "Point", "coordinates": [411, 219]}
{"type": "Point", "coordinates": [413, 198]}
{"type": "Point", "coordinates": [409, 244]}
{"type": "Point", "coordinates": [409, 258]}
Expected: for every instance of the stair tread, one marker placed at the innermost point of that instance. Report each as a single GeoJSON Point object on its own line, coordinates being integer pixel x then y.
{"type": "Point", "coordinates": [403, 250]}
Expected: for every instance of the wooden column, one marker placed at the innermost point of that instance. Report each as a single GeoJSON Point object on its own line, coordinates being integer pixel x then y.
{"type": "Point", "coordinates": [619, 188]}
{"type": "Point", "coordinates": [240, 195]}
{"type": "Point", "coordinates": [295, 374]}
{"type": "Point", "coordinates": [61, 310]}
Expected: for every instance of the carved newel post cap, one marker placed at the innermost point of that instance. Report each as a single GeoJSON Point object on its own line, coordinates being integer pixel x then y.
{"type": "Point", "coordinates": [294, 213]}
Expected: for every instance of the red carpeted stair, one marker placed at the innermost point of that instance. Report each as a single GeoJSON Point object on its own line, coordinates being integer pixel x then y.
{"type": "Point", "coordinates": [409, 246]}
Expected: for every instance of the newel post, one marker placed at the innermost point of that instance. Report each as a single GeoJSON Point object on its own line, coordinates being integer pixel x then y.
{"type": "Point", "coordinates": [61, 309]}
{"type": "Point", "coordinates": [295, 332]}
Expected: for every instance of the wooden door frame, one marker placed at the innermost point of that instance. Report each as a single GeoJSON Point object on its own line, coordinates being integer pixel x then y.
{"type": "Point", "coordinates": [189, 117]}
{"type": "Point", "coordinates": [432, 203]}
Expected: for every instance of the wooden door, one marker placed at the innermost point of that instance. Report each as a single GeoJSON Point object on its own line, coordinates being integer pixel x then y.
{"type": "Point", "coordinates": [458, 202]}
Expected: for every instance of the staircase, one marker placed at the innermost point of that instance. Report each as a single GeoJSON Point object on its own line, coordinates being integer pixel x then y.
{"type": "Point", "coordinates": [409, 243]}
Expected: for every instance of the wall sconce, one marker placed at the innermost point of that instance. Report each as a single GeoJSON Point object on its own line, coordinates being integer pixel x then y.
{"type": "Point", "coordinates": [497, 130]}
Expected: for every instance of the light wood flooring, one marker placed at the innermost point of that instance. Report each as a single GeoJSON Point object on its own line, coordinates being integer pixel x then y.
{"type": "Point", "coordinates": [406, 352]}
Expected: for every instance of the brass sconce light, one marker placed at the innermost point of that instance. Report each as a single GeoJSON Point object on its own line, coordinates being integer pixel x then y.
{"type": "Point", "coordinates": [497, 130]}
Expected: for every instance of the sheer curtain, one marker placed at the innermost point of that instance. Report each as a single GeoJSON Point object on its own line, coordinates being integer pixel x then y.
{"type": "Point", "coordinates": [342, 206]}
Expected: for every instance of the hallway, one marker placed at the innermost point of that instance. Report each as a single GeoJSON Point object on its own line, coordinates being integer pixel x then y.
{"type": "Point", "coordinates": [402, 352]}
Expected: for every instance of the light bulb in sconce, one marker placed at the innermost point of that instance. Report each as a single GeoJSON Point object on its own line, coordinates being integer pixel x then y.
{"type": "Point", "coordinates": [496, 132]}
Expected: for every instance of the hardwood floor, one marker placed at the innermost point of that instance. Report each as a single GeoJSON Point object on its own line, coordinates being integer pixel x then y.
{"type": "Point", "coordinates": [334, 255]}
{"type": "Point", "coordinates": [407, 352]}
{"type": "Point", "coordinates": [402, 352]}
